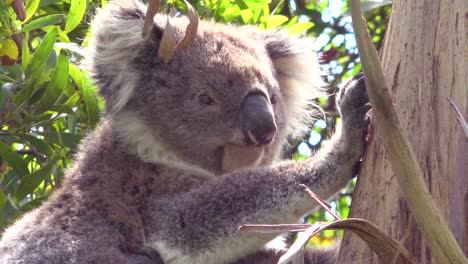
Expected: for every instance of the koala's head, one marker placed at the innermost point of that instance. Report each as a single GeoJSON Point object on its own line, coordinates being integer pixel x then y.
{"type": "Point", "coordinates": [226, 101]}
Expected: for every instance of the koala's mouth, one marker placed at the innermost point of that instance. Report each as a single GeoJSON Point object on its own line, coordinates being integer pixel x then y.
{"type": "Point", "coordinates": [241, 156]}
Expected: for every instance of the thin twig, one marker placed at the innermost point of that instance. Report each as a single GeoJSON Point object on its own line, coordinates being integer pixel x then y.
{"type": "Point", "coordinates": [321, 202]}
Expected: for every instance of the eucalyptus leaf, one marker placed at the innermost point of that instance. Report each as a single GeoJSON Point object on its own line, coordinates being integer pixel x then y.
{"type": "Point", "coordinates": [31, 182]}
{"type": "Point", "coordinates": [58, 81]}
{"type": "Point", "coordinates": [62, 108]}
{"type": "Point", "coordinates": [91, 103]}
{"type": "Point", "coordinates": [300, 27]}
{"type": "Point", "coordinates": [41, 145]}
{"type": "Point", "coordinates": [15, 161]}
{"type": "Point", "coordinates": [72, 100]}
{"type": "Point", "coordinates": [76, 13]}
{"type": "Point", "coordinates": [25, 52]}
{"type": "Point", "coordinates": [42, 51]}
{"type": "Point", "coordinates": [31, 7]}
{"type": "Point", "coordinates": [43, 21]}
{"type": "Point", "coordinates": [276, 21]}
{"type": "Point", "coordinates": [70, 140]}
{"type": "Point", "coordinates": [3, 199]}
{"type": "Point", "coordinates": [71, 47]}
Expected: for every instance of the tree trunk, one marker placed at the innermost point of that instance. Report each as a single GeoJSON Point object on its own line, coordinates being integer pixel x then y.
{"type": "Point", "coordinates": [425, 62]}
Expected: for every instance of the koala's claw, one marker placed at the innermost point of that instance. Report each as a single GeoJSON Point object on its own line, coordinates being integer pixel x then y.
{"type": "Point", "coordinates": [363, 119]}
{"type": "Point", "coordinates": [354, 93]}
{"type": "Point", "coordinates": [353, 101]}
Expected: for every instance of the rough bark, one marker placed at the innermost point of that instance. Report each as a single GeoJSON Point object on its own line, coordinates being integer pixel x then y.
{"type": "Point", "coordinates": [425, 62]}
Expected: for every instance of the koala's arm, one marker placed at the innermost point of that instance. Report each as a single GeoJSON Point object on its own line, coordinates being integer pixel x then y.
{"type": "Point", "coordinates": [204, 222]}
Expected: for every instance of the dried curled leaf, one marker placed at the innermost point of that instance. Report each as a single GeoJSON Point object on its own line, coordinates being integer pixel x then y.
{"type": "Point", "coordinates": [168, 45]}
{"type": "Point", "coordinates": [153, 8]}
{"type": "Point", "coordinates": [191, 30]}
{"type": "Point", "coordinates": [387, 248]}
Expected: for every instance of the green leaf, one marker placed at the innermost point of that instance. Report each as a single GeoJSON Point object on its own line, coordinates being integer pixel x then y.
{"type": "Point", "coordinates": [31, 7]}
{"type": "Point", "coordinates": [25, 53]}
{"type": "Point", "coordinates": [231, 12]}
{"type": "Point", "coordinates": [266, 8]}
{"type": "Point", "coordinates": [8, 212]}
{"type": "Point", "coordinates": [30, 182]}
{"type": "Point", "coordinates": [3, 199]}
{"type": "Point", "coordinates": [33, 204]}
{"type": "Point", "coordinates": [72, 100]}
{"type": "Point", "coordinates": [37, 118]}
{"type": "Point", "coordinates": [43, 50]}
{"type": "Point", "coordinates": [5, 78]}
{"type": "Point", "coordinates": [14, 160]}
{"type": "Point", "coordinates": [71, 47]}
{"type": "Point", "coordinates": [58, 81]}
{"type": "Point", "coordinates": [91, 103]}
{"type": "Point", "coordinates": [70, 140]}
{"type": "Point", "coordinates": [38, 93]}
{"type": "Point", "coordinates": [42, 22]}
{"type": "Point", "coordinates": [88, 93]}
{"type": "Point", "coordinates": [300, 27]}
{"type": "Point", "coordinates": [246, 15]}
{"type": "Point", "coordinates": [276, 21]}
{"type": "Point", "coordinates": [62, 108]}
{"type": "Point", "coordinates": [256, 9]}
{"type": "Point", "coordinates": [76, 13]}
{"type": "Point", "coordinates": [76, 75]}
{"type": "Point", "coordinates": [41, 145]}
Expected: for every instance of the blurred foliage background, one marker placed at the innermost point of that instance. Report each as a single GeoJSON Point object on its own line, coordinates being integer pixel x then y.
{"type": "Point", "coordinates": [47, 103]}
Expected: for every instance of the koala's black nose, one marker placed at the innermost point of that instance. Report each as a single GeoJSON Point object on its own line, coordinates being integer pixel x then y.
{"type": "Point", "coordinates": [257, 119]}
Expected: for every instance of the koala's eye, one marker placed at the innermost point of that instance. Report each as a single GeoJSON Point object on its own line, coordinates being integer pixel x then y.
{"type": "Point", "coordinates": [205, 99]}
{"type": "Point", "coordinates": [273, 99]}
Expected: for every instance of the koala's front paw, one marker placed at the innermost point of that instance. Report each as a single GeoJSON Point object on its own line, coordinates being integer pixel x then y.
{"type": "Point", "coordinates": [352, 102]}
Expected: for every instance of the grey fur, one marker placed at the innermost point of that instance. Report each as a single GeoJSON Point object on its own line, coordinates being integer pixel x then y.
{"type": "Point", "coordinates": [152, 178]}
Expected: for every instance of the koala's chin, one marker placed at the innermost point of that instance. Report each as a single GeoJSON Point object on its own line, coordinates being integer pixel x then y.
{"type": "Point", "coordinates": [241, 156]}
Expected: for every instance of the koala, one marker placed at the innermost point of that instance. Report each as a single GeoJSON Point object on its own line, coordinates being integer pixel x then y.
{"type": "Point", "coordinates": [190, 148]}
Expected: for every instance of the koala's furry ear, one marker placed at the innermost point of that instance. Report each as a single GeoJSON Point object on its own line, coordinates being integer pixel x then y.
{"type": "Point", "coordinates": [116, 40]}
{"type": "Point", "coordinates": [299, 75]}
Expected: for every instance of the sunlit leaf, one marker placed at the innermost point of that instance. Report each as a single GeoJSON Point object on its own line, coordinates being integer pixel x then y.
{"type": "Point", "coordinates": [42, 51]}
{"type": "Point", "coordinates": [58, 81]}
{"type": "Point", "coordinates": [72, 100]}
{"type": "Point", "coordinates": [300, 27]}
{"type": "Point", "coordinates": [76, 13]}
{"type": "Point", "coordinates": [31, 7]}
{"type": "Point", "coordinates": [255, 8]}
{"type": "Point", "coordinates": [42, 22]}
{"type": "Point", "coordinates": [25, 53]}
{"type": "Point", "coordinates": [71, 47]}
{"type": "Point", "coordinates": [276, 21]}
{"type": "Point", "coordinates": [231, 12]}
{"type": "Point", "coordinates": [246, 15]}
{"type": "Point", "coordinates": [9, 49]}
